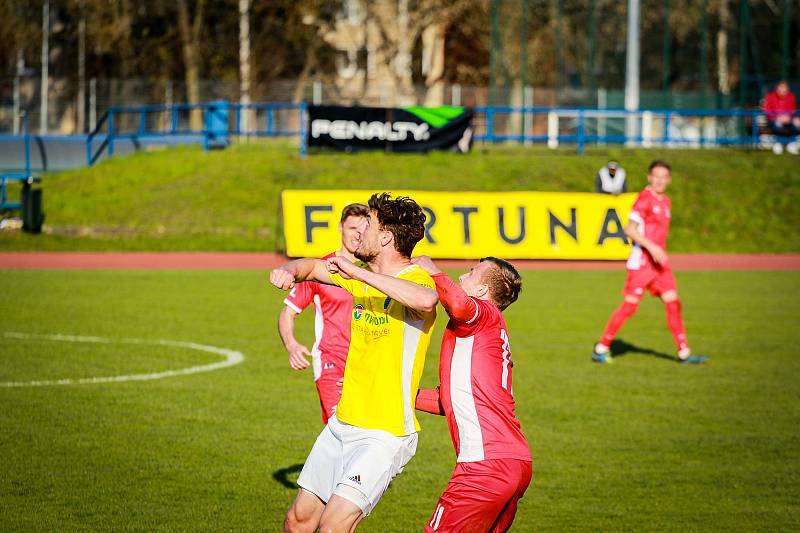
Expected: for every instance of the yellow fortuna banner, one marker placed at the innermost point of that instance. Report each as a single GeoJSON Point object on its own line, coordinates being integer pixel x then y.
{"type": "Point", "coordinates": [469, 225]}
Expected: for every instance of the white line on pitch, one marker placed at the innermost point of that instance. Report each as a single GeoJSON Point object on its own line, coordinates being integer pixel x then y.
{"type": "Point", "coordinates": [232, 358]}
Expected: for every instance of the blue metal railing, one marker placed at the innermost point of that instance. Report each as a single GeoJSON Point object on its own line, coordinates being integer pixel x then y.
{"type": "Point", "coordinates": [219, 121]}
{"type": "Point", "coordinates": [494, 124]}
{"type": "Point", "coordinates": [651, 127]}
{"type": "Point", "coordinates": [21, 177]}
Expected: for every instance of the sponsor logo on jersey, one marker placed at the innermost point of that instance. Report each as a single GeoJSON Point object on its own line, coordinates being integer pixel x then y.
{"type": "Point", "coordinates": [356, 478]}
{"type": "Point", "coordinates": [386, 302]}
{"type": "Point", "coordinates": [358, 311]}
{"type": "Point", "coordinates": [375, 320]}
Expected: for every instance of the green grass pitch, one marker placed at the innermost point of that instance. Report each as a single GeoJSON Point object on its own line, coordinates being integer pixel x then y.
{"type": "Point", "coordinates": [644, 444]}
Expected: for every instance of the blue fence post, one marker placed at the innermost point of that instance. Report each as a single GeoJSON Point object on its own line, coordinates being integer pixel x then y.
{"type": "Point", "coordinates": [581, 134]}
{"type": "Point", "coordinates": [269, 120]}
{"type": "Point", "coordinates": [302, 118]}
{"type": "Point", "coordinates": [237, 121]}
{"type": "Point", "coordinates": [665, 136]}
{"type": "Point", "coordinates": [754, 128]}
{"type": "Point", "coordinates": [206, 126]}
{"type": "Point", "coordinates": [142, 122]}
{"type": "Point", "coordinates": [110, 132]}
{"type": "Point", "coordinates": [173, 119]}
{"type": "Point", "coordinates": [490, 124]}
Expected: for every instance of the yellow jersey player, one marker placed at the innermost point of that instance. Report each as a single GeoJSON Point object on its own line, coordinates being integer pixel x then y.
{"type": "Point", "coordinates": [373, 433]}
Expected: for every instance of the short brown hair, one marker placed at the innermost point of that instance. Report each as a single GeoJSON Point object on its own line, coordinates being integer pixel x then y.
{"type": "Point", "coordinates": [658, 163]}
{"type": "Point", "coordinates": [403, 217]}
{"type": "Point", "coordinates": [354, 210]}
{"type": "Point", "coordinates": [504, 282]}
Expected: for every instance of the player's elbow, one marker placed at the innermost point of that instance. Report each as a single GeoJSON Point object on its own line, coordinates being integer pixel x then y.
{"type": "Point", "coordinates": [428, 301]}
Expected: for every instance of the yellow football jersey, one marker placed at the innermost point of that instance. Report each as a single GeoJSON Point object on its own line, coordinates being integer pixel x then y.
{"type": "Point", "coordinates": [388, 342]}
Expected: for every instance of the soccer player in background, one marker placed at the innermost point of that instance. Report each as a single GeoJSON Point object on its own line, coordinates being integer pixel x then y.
{"type": "Point", "coordinates": [494, 464]}
{"type": "Point", "coordinates": [648, 266]}
{"type": "Point", "coordinates": [333, 307]}
{"type": "Point", "coordinates": [373, 433]}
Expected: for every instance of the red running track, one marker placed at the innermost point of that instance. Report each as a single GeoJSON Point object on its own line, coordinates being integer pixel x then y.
{"type": "Point", "coordinates": [263, 261]}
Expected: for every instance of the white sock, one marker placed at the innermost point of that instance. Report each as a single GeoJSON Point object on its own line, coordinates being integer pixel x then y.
{"type": "Point", "coordinates": [600, 348]}
{"type": "Point", "coordinates": [684, 354]}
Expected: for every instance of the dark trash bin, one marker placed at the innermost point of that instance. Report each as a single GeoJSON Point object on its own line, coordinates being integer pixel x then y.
{"type": "Point", "coordinates": [32, 215]}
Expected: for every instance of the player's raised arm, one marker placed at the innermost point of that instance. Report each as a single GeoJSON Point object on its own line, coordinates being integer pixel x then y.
{"type": "Point", "coordinates": [406, 292]}
{"type": "Point", "coordinates": [305, 269]}
{"type": "Point", "coordinates": [459, 306]}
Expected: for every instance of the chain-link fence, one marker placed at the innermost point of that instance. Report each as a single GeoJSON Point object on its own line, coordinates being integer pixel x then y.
{"type": "Point", "coordinates": [65, 116]}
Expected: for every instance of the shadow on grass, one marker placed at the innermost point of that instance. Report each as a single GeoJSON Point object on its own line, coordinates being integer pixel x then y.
{"type": "Point", "coordinates": [282, 476]}
{"type": "Point", "coordinates": [620, 348]}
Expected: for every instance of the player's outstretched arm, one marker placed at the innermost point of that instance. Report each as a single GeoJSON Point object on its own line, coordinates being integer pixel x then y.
{"type": "Point", "coordinates": [305, 269]}
{"type": "Point", "coordinates": [406, 292]}
{"type": "Point", "coordinates": [458, 305]}
{"type": "Point", "coordinates": [428, 400]}
{"type": "Point", "coordinates": [658, 253]}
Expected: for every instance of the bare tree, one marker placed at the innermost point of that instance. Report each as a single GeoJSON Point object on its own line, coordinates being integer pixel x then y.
{"type": "Point", "coordinates": [190, 29]}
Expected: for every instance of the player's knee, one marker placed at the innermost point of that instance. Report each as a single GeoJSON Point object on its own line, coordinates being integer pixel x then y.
{"type": "Point", "coordinates": [630, 305]}
{"type": "Point", "coordinates": [632, 300]}
{"type": "Point", "coordinates": [296, 523]}
{"type": "Point", "coordinates": [670, 296]}
{"type": "Point", "coordinates": [326, 527]}
{"type": "Point", "coordinates": [290, 522]}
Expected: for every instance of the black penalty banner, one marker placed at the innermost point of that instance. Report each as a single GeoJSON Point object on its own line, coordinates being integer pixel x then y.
{"type": "Point", "coordinates": [409, 129]}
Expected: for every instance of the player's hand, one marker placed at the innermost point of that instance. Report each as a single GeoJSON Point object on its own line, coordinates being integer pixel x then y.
{"type": "Point", "coordinates": [281, 278]}
{"type": "Point", "coordinates": [658, 253]}
{"type": "Point", "coordinates": [343, 267]}
{"type": "Point", "coordinates": [426, 264]}
{"type": "Point", "coordinates": [297, 356]}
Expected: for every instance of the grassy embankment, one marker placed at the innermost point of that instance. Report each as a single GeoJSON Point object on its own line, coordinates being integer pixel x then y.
{"type": "Point", "coordinates": [184, 199]}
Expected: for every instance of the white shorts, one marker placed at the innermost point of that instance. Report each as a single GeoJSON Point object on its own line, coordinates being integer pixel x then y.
{"type": "Point", "coordinates": [355, 463]}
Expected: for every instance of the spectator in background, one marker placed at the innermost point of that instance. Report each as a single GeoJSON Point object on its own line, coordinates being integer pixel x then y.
{"type": "Point", "coordinates": [780, 107]}
{"type": "Point", "coordinates": [611, 179]}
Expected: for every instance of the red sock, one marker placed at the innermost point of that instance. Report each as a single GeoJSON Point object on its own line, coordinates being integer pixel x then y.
{"type": "Point", "coordinates": [619, 317]}
{"type": "Point", "coordinates": [675, 324]}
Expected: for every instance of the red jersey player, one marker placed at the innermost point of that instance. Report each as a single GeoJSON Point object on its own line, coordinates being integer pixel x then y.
{"type": "Point", "coordinates": [648, 266]}
{"type": "Point", "coordinates": [332, 309]}
{"type": "Point", "coordinates": [494, 465]}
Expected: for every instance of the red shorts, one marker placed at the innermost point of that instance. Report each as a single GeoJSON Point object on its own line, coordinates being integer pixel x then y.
{"type": "Point", "coordinates": [329, 393]}
{"type": "Point", "coordinates": [481, 496]}
{"type": "Point", "coordinates": [657, 280]}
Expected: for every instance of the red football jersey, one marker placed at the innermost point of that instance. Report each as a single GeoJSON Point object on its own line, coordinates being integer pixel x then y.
{"type": "Point", "coordinates": [652, 215]}
{"type": "Point", "coordinates": [333, 307]}
{"type": "Point", "coordinates": [475, 376]}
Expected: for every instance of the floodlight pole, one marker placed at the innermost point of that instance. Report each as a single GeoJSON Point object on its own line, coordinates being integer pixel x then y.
{"type": "Point", "coordinates": [16, 96]}
{"type": "Point", "coordinates": [45, 66]}
{"type": "Point", "coordinates": [632, 72]}
{"type": "Point", "coordinates": [244, 65]}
